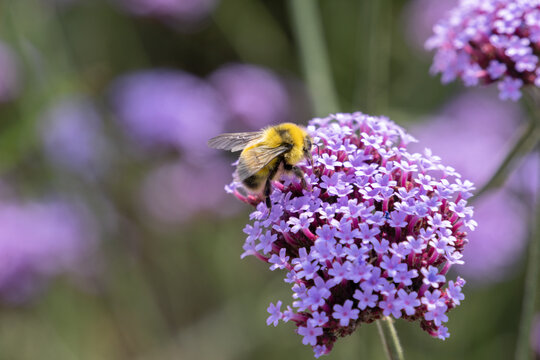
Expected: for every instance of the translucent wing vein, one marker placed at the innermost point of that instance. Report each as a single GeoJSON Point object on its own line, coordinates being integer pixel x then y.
{"type": "Point", "coordinates": [257, 158]}
{"type": "Point", "coordinates": [234, 141]}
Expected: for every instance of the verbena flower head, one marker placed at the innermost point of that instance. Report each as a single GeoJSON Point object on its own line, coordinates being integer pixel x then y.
{"type": "Point", "coordinates": [373, 234]}
{"type": "Point", "coordinates": [486, 41]}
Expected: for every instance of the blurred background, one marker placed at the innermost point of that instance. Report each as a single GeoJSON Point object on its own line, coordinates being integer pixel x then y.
{"type": "Point", "coordinates": [117, 239]}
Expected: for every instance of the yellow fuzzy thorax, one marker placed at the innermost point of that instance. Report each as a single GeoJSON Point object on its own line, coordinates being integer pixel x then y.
{"type": "Point", "coordinates": [287, 132]}
{"type": "Point", "coordinates": [276, 136]}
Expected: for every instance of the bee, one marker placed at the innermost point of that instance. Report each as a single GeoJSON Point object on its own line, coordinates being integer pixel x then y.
{"type": "Point", "coordinates": [266, 154]}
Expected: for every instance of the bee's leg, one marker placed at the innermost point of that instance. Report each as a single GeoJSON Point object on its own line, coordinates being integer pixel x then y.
{"type": "Point", "coordinates": [297, 172]}
{"type": "Point", "coordinates": [268, 185]}
{"type": "Point", "coordinates": [266, 193]}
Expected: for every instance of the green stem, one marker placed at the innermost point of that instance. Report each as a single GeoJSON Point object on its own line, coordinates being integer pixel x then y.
{"type": "Point", "coordinates": [113, 315]}
{"type": "Point", "coordinates": [379, 47]}
{"type": "Point", "coordinates": [390, 339]}
{"type": "Point", "coordinates": [528, 137]}
{"type": "Point", "coordinates": [266, 43]}
{"type": "Point", "coordinates": [308, 32]}
{"type": "Point", "coordinates": [530, 291]}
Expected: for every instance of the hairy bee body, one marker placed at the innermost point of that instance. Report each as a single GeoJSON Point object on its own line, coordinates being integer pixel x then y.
{"type": "Point", "coordinates": [266, 154]}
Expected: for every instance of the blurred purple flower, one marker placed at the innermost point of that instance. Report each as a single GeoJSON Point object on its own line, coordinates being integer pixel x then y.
{"type": "Point", "coordinates": [255, 96]}
{"type": "Point", "coordinates": [187, 11]}
{"type": "Point", "coordinates": [168, 108]}
{"type": "Point", "coordinates": [489, 41]}
{"type": "Point", "coordinates": [421, 15]}
{"type": "Point", "coordinates": [73, 136]}
{"type": "Point", "coordinates": [176, 192]}
{"type": "Point", "coordinates": [499, 241]}
{"type": "Point", "coordinates": [470, 134]}
{"type": "Point", "coordinates": [9, 74]}
{"type": "Point", "coordinates": [39, 241]}
{"type": "Point", "coordinates": [369, 237]}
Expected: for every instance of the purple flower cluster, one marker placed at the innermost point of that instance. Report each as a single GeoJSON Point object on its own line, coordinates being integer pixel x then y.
{"type": "Point", "coordinates": [39, 240]}
{"type": "Point", "coordinates": [172, 108]}
{"type": "Point", "coordinates": [73, 137]}
{"type": "Point", "coordinates": [486, 41]}
{"type": "Point", "coordinates": [373, 234]}
{"type": "Point", "coordinates": [163, 107]}
{"type": "Point", "coordinates": [255, 96]}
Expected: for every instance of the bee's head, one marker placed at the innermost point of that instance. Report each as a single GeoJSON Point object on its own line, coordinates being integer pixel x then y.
{"type": "Point", "coordinates": [308, 144]}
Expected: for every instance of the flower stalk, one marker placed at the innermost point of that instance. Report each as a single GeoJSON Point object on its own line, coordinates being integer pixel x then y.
{"type": "Point", "coordinates": [533, 262]}
{"type": "Point", "coordinates": [308, 31]}
{"type": "Point", "coordinates": [379, 48]}
{"type": "Point", "coordinates": [529, 135]}
{"type": "Point", "coordinates": [527, 140]}
{"type": "Point", "coordinates": [529, 292]}
{"type": "Point", "coordinates": [390, 339]}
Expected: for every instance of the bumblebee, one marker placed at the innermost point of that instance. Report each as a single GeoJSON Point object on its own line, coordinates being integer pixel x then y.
{"type": "Point", "coordinates": [266, 154]}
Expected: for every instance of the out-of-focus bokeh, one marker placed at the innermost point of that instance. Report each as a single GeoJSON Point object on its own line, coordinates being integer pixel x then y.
{"type": "Point", "coordinates": [117, 238]}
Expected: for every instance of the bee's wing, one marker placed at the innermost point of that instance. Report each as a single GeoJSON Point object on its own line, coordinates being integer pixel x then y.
{"type": "Point", "coordinates": [256, 158]}
{"type": "Point", "coordinates": [234, 141]}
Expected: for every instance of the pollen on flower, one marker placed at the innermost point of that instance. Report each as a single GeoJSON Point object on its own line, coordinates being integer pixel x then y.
{"type": "Point", "coordinates": [373, 233]}
{"type": "Point", "coordinates": [486, 41]}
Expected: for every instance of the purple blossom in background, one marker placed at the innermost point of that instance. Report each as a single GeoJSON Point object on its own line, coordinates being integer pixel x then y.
{"type": "Point", "coordinates": [73, 136]}
{"type": "Point", "coordinates": [9, 74]}
{"type": "Point", "coordinates": [188, 12]}
{"type": "Point", "coordinates": [168, 108]}
{"type": "Point", "coordinates": [476, 127]}
{"type": "Point", "coordinates": [500, 239]}
{"type": "Point", "coordinates": [167, 193]}
{"type": "Point", "coordinates": [39, 241]}
{"type": "Point", "coordinates": [354, 263]}
{"type": "Point", "coordinates": [489, 41]}
{"type": "Point", "coordinates": [255, 96]}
